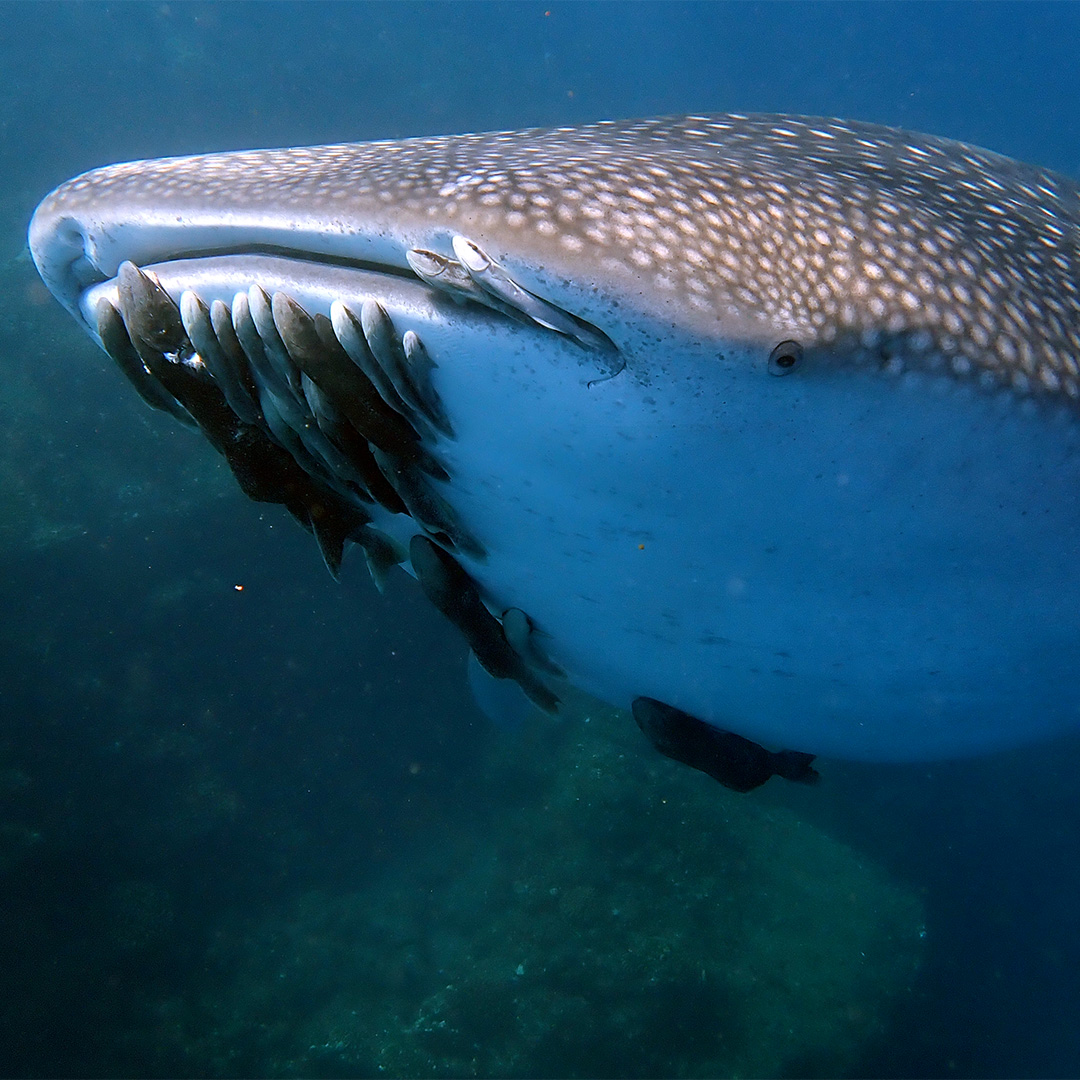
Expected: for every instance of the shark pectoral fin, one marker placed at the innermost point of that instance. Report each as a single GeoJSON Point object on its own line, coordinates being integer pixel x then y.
{"type": "Point", "coordinates": [733, 761]}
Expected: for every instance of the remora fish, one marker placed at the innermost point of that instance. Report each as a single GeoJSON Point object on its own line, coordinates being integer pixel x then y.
{"type": "Point", "coordinates": [771, 421]}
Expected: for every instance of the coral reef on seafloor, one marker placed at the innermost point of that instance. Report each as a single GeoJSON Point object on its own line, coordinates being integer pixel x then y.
{"type": "Point", "coordinates": [625, 917]}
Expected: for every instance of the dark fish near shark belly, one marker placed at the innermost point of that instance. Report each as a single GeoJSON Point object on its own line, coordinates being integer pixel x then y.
{"type": "Point", "coordinates": [767, 424]}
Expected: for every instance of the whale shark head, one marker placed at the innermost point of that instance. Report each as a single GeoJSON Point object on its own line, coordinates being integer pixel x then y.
{"type": "Point", "coordinates": [770, 421]}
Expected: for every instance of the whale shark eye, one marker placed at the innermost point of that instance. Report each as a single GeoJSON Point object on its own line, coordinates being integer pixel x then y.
{"type": "Point", "coordinates": [785, 358]}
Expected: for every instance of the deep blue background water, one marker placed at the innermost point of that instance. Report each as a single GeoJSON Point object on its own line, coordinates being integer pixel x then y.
{"type": "Point", "coordinates": [139, 607]}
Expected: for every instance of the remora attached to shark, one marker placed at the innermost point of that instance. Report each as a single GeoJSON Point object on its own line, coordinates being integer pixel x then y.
{"type": "Point", "coordinates": [762, 421]}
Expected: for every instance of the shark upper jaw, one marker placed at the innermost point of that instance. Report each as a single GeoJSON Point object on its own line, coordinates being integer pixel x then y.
{"type": "Point", "coordinates": [75, 251]}
{"type": "Point", "coordinates": [79, 249]}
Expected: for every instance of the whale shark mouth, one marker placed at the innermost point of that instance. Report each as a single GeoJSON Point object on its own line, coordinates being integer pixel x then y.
{"type": "Point", "coordinates": [615, 456]}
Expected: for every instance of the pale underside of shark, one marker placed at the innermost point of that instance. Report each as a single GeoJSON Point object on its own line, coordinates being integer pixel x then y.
{"type": "Point", "coordinates": [771, 420]}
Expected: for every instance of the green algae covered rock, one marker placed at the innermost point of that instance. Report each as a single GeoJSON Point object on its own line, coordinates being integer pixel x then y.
{"type": "Point", "coordinates": [627, 917]}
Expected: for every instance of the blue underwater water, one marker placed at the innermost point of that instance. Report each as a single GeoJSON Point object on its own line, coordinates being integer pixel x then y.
{"type": "Point", "coordinates": [251, 822]}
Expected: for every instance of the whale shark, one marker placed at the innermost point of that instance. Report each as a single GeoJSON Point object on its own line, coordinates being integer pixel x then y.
{"type": "Point", "coordinates": [763, 426]}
